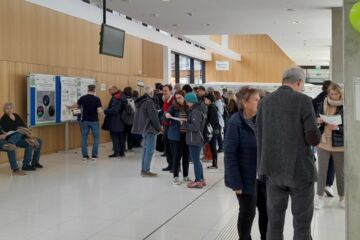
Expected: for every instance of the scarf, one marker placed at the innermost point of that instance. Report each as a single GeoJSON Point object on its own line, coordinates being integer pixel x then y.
{"type": "Point", "coordinates": [331, 103]}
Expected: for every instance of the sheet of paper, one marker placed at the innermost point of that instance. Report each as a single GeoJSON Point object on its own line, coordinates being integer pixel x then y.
{"type": "Point", "coordinates": [178, 119]}
{"type": "Point", "coordinates": [10, 133]}
{"type": "Point", "coordinates": [334, 119]}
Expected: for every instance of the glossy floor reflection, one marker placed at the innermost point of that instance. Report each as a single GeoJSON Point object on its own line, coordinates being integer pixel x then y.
{"type": "Point", "coordinates": [108, 200]}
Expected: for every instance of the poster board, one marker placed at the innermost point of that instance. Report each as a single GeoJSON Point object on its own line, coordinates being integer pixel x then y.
{"type": "Point", "coordinates": [68, 98]}
{"type": "Point", "coordinates": [41, 99]}
{"type": "Point", "coordinates": [49, 96]}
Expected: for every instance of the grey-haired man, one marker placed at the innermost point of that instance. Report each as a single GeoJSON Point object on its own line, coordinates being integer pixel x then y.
{"type": "Point", "coordinates": [287, 129]}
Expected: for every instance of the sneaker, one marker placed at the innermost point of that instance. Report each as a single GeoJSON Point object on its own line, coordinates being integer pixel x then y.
{"type": "Point", "coordinates": [38, 165]}
{"type": "Point", "coordinates": [212, 167]}
{"type": "Point", "coordinates": [329, 191]}
{"type": "Point", "coordinates": [319, 203]}
{"type": "Point", "coordinates": [167, 169]}
{"type": "Point", "coordinates": [94, 159]}
{"type": "Point", "coordinates": [85, 158]}
{"type": "Point", "coordinates": [177, 181]}
{"type": "Point", "coordinates": [203, 183]}
{"type": "Point", "coordinates": [186, 179]}
{"type": "Point", "coordinates": [194, 185]}
{"type": "Point", "coordinates": [148, 174]}
{"type": "Point", "coordinates": [342, 203]}
{"type": "Point", "coordinates": [28, 168]}
{"type": "Point", "coordinates": [18, 172]}
{"type": "Point", "coordinates": [8, 147]}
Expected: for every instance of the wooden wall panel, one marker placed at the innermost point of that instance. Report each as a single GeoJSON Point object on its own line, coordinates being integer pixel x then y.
{"type": "Point", "coordinates": [39, 40]}
{"type": "Point", "coordinates": [215, 38]}
{"type": "Point", "coordinates": [152, 60]}
{"type": "Point", "coordinates": [262, 61]}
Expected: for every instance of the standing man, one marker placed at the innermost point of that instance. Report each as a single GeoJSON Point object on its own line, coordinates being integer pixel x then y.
{"type": "Point", "coordinates": [168, 101]}
{"type": "Point", "coordinates": [146, 123]}
{"type": "Point", "coordinates": [91, 107]}
{"type": "Point", "coordinates": [286, 130]}
{"type": "Point", "coordinates": [113, 121]}
{"type": "Point", "coordinates": [200, 93]}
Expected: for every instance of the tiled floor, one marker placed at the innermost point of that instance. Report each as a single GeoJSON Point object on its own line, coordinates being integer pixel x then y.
{"type": "Point", "coordinates": [108, 200]}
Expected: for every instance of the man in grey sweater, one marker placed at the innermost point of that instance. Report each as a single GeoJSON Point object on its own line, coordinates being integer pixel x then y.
{"type": "Point", "coordinates": [286, 130]}
{"type": "Point", "coordinates": [146, 123]}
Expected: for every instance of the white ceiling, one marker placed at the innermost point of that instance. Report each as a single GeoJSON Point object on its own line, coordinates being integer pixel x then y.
{"type": "Point", "coordinates": [307, 43]}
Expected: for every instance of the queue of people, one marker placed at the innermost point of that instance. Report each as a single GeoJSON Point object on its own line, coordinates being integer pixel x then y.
{"type": "Point", "coordinates": [269, 141]}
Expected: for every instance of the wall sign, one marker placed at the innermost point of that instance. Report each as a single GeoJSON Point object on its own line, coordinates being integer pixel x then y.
{"type": "Point", "coordinates": [222, 65]}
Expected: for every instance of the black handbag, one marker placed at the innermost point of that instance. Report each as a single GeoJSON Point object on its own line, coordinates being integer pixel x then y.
{"type": "Point", "coordinates": [106, 125]}
{"type": "Point", "coordinates": [337, 139]}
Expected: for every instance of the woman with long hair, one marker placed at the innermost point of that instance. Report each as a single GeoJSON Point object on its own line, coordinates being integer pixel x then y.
{"type": "Point", "coordinates": [331, 145]}
{"type": "Point", "coordinates": [177, 136]}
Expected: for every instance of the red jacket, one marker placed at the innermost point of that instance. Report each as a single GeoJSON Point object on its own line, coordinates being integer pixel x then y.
{"type": "Point", "coordinates": [167, 104]}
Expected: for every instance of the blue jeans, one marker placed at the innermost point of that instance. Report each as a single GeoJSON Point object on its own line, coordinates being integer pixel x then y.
{"type": "Point", "coordinates": [95, 130]}
{"type": "Point", "coordinates": [148, 151]}
{"type": "Point", "coordinates": [31, 156]}
{"type": "Point", "coordinates": [11, 156]}
{"type": "Point", "coordinates": [195, 156]}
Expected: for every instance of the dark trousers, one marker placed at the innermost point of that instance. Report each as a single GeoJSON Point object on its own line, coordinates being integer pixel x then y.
{"type": "Point", "coordinates": [247, 207]}
{"type": "Point", "coordinates": [118, 143]}
{"type": "Point", "coordinates": [220, 141]}
{"type": "Point", "coordinates": [331, 173]}
{"type": "Point", "coordinates": [180, 150]}
{"type": "Point", "coordinates": [302, 206]}
{"type": "Point", "coordinates": [169, 157]}
{"type": "Point", "coordinates": [128, 137]}
{"type": "Point", "coordinates": [213, 149]}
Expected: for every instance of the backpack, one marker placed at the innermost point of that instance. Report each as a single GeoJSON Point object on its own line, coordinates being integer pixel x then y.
{"type": "Point", "coordinates": [128, 113]}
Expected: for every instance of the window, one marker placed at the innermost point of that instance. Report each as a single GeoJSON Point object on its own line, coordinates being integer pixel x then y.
{"type": "Point", "coordinates": [187, 70]}
{"type": "Point", "coordinates": [199, 72]}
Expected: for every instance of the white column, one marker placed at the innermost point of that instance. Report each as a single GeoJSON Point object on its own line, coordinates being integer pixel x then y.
{"type": "Point", "coordinates": [352, 127]}
{"type": "Point", "coordinates": [166, 64]}
{"type": "Point", "coordinates": [337, 47]}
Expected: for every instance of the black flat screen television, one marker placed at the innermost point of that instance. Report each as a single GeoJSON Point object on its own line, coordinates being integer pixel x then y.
{"type": "Point", "coordinates": [112, 41]}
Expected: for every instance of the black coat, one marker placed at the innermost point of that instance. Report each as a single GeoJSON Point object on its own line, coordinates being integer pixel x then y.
{"type": "Point", "coordinates": [113, 121]}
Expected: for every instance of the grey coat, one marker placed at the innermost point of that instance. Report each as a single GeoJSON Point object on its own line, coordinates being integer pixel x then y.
{"type": "Point", "coordinates": [146, 118]}
{"type": "Point", "coordinates": [195, 125]}
{"type": "Point", "coordinates": [286, 128]}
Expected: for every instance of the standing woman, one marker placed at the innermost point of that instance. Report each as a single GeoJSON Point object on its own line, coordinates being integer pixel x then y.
{"type": "Point", "coordinates": [331, 145]}
{"type": "Point", "coordinates": [213, 120]}
{"type": "Point", "coordinates": [241, 163]}
{"type": "Point", "coordinates": [194, 136]}
{"type": "Point", "coordinates": [177, 137]}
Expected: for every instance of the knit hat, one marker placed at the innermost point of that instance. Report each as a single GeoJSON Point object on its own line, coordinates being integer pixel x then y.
{"type": "Point", "coordinates": [191, 98]}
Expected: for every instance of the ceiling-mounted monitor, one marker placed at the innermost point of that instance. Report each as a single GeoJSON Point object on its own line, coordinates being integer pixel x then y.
{"type": "Point", "coordinates": [112, 41]}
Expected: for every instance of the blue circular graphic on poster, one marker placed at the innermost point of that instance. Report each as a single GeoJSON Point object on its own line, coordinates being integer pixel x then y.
{"type": "Point", "coordinates": [46, 100]}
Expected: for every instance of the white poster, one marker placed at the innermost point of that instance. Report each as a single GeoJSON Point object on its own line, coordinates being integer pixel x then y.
{"type": "Point", "coordinates": [45, 103]}
{"type": "Point", "coordinates": [68, 98]}
{"type": "Point", "coordinates": [222, 65]}
{"type": "Point", "coordinates": [82, 85]}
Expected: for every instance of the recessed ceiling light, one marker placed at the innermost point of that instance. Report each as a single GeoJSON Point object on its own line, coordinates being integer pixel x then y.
{"type": "Point", "coordinates": [175, 25]}
{"type": "Point", "coordinates": [205, 24]}
{"type": "Point", "coordinates": [189, 14]}
{"type": "Point", "coordinates": [290, 10]}
{"type": "Point", "coordinates": [155, 15]}
{"type": "Point", "coordinates": [299, 32]}
{"type": "Point", "coordinates": [296, 22]}
{"type": "Point", "coordinates": [165, 0]}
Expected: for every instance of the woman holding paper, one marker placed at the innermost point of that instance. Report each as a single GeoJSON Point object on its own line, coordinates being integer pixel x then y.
{"type": "Point", "coordinates": [332, 143]}
{"type": "Point", "coordinates": [177, 114]}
